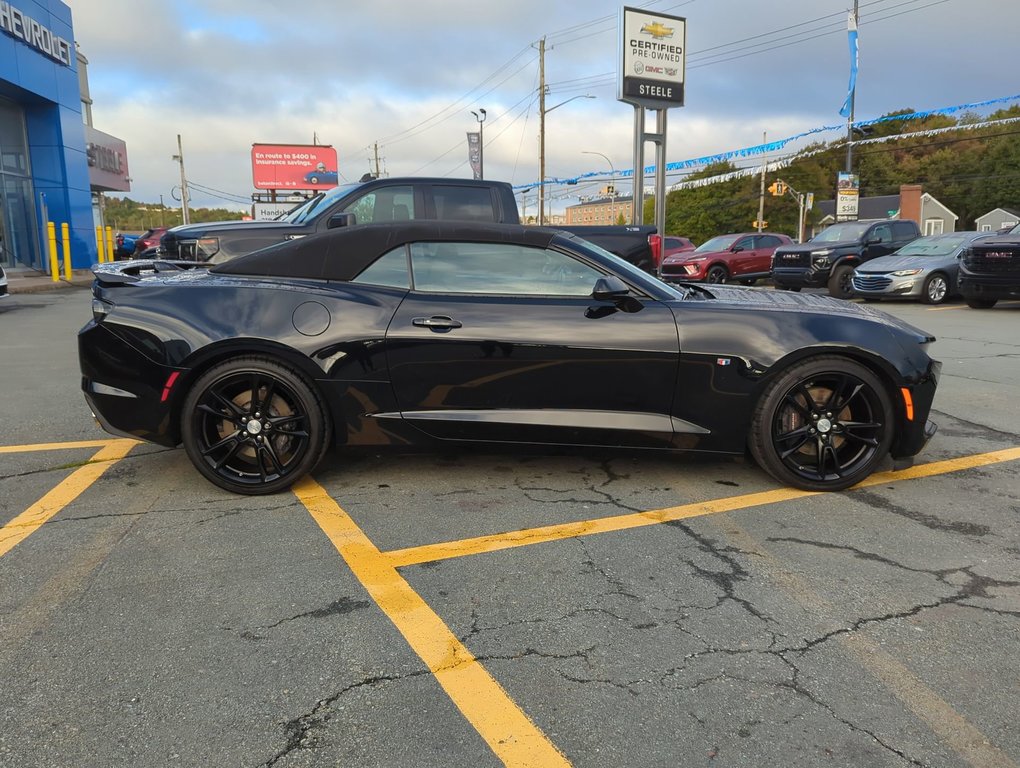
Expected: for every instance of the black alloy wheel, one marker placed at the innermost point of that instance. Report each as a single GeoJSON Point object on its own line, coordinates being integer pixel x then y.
{"type": "Point", "coordinates": [935, 289]}
{"type": "Point", "coordinates": [823, 425]}
{"type": "Point", "coordinates": [841, 282]}
{"type": "Point", "coordinates": [254, 426]}
{"type": "Point", "coordinates": [716, 274]}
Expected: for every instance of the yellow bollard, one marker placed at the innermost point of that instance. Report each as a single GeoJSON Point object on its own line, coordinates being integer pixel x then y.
{"type": "Point", "coordinates": [109, 244]}
{"type": "Point", "coordinates": [51, 231]}
{"type": "Point", "coordinates": [65, 233]}
{"type": "Point", "coordinates": [99, 245]}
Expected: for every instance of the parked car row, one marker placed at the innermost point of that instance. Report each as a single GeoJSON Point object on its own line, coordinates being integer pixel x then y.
{"type": "Point", "coordinates": [870, 259]}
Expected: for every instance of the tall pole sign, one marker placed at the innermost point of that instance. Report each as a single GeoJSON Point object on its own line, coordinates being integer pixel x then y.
{"type": "Point", "coordinates": [652, 67]}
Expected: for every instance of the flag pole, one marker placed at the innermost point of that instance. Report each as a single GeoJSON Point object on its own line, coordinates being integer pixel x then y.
{"type": "Point", "coordinates": [852, 31]}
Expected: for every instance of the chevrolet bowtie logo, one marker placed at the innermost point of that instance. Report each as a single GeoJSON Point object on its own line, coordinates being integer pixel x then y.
{"type": "Point", "coordinates": [657, 30]}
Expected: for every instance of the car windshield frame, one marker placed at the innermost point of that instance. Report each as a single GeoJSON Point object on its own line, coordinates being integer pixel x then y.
{"type": "Point", "coordinates": [317, 204]}
{"type": "Point", "coordinates": [718, 243]}
{"type": "Point", "coordinates": [842, 232]}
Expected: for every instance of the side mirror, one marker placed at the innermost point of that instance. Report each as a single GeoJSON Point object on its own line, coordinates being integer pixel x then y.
{"type": "Point", "coordinates": [341, 220]}
{"type": "Point", "coordinates": [873, 240]}
{"type": "Point", "coordinates": [610, 288]}
{"type": "Point", "coordinates": [737, 249]}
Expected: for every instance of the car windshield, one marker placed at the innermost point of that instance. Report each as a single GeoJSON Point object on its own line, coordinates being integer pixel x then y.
{"type": "Point", "coordinates": [933, 246]}
{"type": "Point", "coordinates": [721, 243]}
{"type": "Point", "coordinates": [317, 204]}
{"type": "Point", "coordinates": [838, 233]}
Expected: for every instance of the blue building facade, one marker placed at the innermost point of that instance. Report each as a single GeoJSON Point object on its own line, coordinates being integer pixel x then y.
{"type": "Point", "coordinates": [44, 171]}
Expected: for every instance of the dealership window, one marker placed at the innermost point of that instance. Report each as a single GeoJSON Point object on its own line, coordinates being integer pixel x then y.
{"type": "Point", "coordinates": [19, 242]}
{"type": "Point", "coordinates": [499, 268]}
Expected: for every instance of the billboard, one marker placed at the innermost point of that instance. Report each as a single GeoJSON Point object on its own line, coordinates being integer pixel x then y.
{"type": "Point", "coordinates": [652, 59]}
{"type": "Point", "coordinates": [293, 166]}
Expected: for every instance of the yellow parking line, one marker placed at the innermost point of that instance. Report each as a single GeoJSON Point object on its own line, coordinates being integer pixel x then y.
{"type": "Point", "coordinates": [954, 306]}
{"type": "Point", "coordinates": [57, 446]}
{"type": "Point", "coordinates": [451, 549]}
{"type": "Point", "coordinates": [29, 521]}
{"type": "Point", "coordinates": [505, 727]}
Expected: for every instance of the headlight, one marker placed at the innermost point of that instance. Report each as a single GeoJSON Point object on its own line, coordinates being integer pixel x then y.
{"type": "Point", "coordinates": [906, 272]}
{"type": "Point", "coordinates": [820, 261]}
{"type": "Point", "coordinates": [822, 252]}
{"type": "Point", "coordinates": [695, 259]}
{"type": "Point", "coordinates": [208, 247]}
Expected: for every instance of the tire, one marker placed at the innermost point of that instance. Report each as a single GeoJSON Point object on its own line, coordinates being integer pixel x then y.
{"type": "Point", "coordinates": [240, 444]}
{"type": "Point", "coordinates": [935, 289]}
{"type": "Point", "coordinates": [840, 282]}
{"type": "Point", "coordinates": [975, 303]}
{"type": "Point", "coordinates": [717, 274]}
{"type": "Point", "coordinates": [823, 424]}
{"type": "Point", "coordinates": [313, 180]}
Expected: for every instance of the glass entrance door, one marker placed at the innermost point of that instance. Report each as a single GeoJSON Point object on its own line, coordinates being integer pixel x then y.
{"type": "Point", "coordinates": [20, 245]}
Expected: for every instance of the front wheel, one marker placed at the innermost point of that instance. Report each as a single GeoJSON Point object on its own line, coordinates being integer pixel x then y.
{"type": "Point", "coordinates": [976, 303]}
{"type": "Point", "coordinates": [824, 424]}
{"type": "Point", "coordinates": [841, 282]}
{"type": "Point", "coordinates": [253, 426]}
{"type": "Point", "coordinates": [717, 274]}
{"type": "Point", "coordinates": [935, 289]}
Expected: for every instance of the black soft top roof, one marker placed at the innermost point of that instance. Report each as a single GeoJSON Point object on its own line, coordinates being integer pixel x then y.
{"type": "Point", "coordinates": [342, 253]}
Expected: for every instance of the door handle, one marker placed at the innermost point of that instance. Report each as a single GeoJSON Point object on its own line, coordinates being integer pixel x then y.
{"type": "Point", "coordinates": [437, 322]}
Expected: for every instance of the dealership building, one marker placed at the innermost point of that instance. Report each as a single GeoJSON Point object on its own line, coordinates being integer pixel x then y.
{"type": "Point", "coordinates": [54, 166]}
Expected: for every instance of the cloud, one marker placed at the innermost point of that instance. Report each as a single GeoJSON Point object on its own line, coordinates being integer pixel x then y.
{"type": "Point", "coordinates": [225, 74]}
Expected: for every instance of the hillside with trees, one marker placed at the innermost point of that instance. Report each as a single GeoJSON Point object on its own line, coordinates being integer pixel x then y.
{"type": "Point", "coordinates": [972, 171]}
{"type": "Point", "coordinates": [127, 215]}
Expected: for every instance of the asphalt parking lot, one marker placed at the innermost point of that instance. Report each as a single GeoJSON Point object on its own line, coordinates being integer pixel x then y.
{"type": "Point", "coordinates": [520, 608]}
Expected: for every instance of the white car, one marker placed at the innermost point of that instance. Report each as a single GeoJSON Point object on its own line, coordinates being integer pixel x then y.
{"type": "Point", "coordinates": [3, 283]}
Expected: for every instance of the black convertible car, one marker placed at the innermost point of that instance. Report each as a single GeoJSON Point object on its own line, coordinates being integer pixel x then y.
{"type": "Point", "coordinates": [399, 334]}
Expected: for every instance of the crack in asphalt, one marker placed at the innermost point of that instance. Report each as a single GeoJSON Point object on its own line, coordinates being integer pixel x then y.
{"type": "Point", "coordinates": [933, 522]}
{"type": "Point", "coordinates": [298, 730]}
{"type": "Point", "coordinates": [339, 607]}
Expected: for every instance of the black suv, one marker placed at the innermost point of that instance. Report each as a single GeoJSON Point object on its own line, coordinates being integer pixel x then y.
{"type": "Point", "coordinates": [829, 258]}
{"type": "Point", "coordinates": [990, 270]}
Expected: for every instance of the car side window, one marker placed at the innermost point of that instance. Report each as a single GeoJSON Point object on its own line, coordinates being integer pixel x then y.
{"type": "Point", "coordinates": [768, 241]}
{"type": "Point", "coordinates": [904, 230]}
{"type": "Point", "coordinates": [388, 204]}
{"type": "Point", "coordinates": [882, 233]}
{"type": "Point", "coordinates": [499, 268]}
{"type": "Point", "coordinates": [389, 269]}
{"type": "Point", "coordinates": [464, 203]}
{"type": "Point", "coordinates": [745, 243]}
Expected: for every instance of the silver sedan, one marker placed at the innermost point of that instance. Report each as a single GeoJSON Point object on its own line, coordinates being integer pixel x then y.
{"type": "Point", "coordinates": [924, 269]}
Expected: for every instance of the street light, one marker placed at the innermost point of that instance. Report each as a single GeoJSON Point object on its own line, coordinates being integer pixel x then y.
{"type": "Point", "coordinates": [612, 205]}
{"type": "Point", "coordinates": [542, 112]}
{"type": "Point", "coordinates": [480, 117]}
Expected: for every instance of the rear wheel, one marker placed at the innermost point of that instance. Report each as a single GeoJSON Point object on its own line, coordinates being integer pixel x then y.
{"type": "Point", "coordinates": [822, 425]}
{"type": "Point", "coordinates": [716, 274]}
{"type": "Point", "coordinates": [976, 303]}
{"type": "Point", "coordinates": [935, 289]}
{"type": "Point", "coordinates": [253, 426]}
{"type": "Point", "coordinates": [841, 282]}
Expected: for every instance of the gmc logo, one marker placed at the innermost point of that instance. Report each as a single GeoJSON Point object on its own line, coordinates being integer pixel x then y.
{"type": "Point", "coordinates": [998, 255]}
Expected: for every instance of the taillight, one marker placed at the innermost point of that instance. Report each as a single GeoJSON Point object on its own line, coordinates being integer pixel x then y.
{"type": "Point", "coordinates": [655, 243]}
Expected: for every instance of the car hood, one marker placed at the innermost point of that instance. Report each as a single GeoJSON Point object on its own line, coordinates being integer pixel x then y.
{"type": "Point", "coordinates": [196, 230]}
{"type": "Point", "coordinates": [759, 299]}
{"type": "Point", "coordinates": [895, 263]}
{"type": "Point", "coordinates": [811, 246]}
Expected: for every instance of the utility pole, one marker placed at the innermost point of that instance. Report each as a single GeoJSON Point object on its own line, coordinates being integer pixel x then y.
{"type": "Point", "coordinates": [162, 208]}
{"type": "Point", "coordinates": [761, 195]}
{"type": "Point", "coordinates": [179, 157]}
{"type": "Point", "coordinates": [541, 132]}
{"type": "Point", "coordinates": [850, 119]}
{"type": "Point", "coordinates": [378, 175]}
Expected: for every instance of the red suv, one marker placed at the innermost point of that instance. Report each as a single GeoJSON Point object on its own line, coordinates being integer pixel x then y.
{"type": "Point", "coordinates": [149, 239]}
{"type": "Point", "coordinates": [745, 257]}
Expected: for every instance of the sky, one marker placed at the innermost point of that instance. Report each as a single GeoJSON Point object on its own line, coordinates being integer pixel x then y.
{"type": "Point", "coordinates": [405, 76]}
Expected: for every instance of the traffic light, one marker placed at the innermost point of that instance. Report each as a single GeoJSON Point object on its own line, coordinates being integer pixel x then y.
{"type": "Point", "coordinates": [777, 188]}
{"type": "Point", "coordinates": [764, 224]}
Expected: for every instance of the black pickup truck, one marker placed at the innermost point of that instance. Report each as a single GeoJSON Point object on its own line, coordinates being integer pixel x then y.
{"type": "Point", "coordinates": [828, 259]}
{"type": "Point", "coordinates": [990, 270]}
{"type": "Point", "coordinates": [384, 200]}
